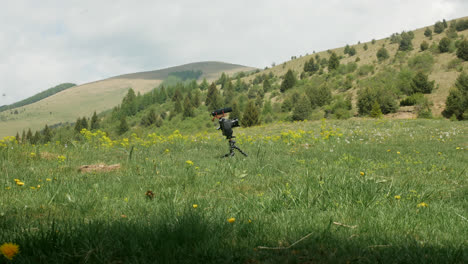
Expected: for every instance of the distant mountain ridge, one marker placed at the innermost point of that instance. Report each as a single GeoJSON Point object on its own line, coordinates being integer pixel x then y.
{"type": "Point", "coordinates": [207, 68]}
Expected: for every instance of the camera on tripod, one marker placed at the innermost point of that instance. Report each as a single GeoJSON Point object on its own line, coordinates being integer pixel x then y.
{"type": "Point", "coordinates": [226, 126]}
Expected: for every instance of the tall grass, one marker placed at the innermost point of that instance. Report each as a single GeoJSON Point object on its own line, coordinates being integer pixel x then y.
{"type": "Point", "coordinates": [362, 191]}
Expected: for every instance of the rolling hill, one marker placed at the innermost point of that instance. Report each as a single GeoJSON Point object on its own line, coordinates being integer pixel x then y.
{"type": "Point", "coordinates": [83, 100]}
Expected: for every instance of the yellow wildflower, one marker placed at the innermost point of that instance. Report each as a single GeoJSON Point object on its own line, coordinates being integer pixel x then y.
{"type": "Point", "coordinates": [17, 180]}
{"type": "Point", "coordinates": [9, 250]}
{"type": "Point", "coordinates": [398, 197]}
{"type": "Point", "coordinates": [195, 205]}
{"type": "Point", "coordinates": [48, 179]}
{"type": "Point", "coordinates": [231, 220]}
{"type": "Point", "coordinates": [19, 183]}
{"type": "Point", "coordinates": [398, 152]}
{"type": "Point", "coordinates": [362, 173]}
{"type": "Point", "coordinates": [7, 188]}
{"type": "Point", "coordinates": [189, 162]}
{"type": "Point", "coordinates": [423, 204]}
{"type": "Point", "coordinates": [167, 150]}
{"type": "Point", "coordinates": [32, 188]}
{"type": "Point", "coordinates": [32, 154]}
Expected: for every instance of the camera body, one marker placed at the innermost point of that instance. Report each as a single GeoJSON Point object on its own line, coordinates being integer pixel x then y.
{"type": "Point", "coordinates": [226, 126]}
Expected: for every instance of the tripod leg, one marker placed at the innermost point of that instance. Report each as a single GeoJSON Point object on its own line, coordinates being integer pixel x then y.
{"type": "Point", "coordinates": [240, 150]}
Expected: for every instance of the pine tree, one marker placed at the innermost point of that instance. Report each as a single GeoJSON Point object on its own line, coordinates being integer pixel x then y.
{"type": "Point", "coordinates": [405, 42]}
{"type": "Point", "coordinates": [162, 95]}
{"type": "Point", "coordinates": [188, 108]}
{"type": "Point", "coordinates": [23, 137]}
{"type": "Point", "coordinates": [196, 98]}
{"type": "Point", "coordinates": [421, 84]}
{"type": "Point", "coordinates": [177, 107]}
{"type": "Point", "coordinates": [29, 136]}
{"type": "Point", "coordinates": [94, 122]}
{"type": "Point", "coordinates": [129, 103]}
{"type": "Point", "coordinates": [177, 96]}
{"type": "Point", "coordinates": [352, 51]}
{"type": "Point", "coordinates": [37, 138]}
{"type": "Point", "coordinates": [457, 100]}
{"type": "Point", "coordinates": [47, 135]}
{"type": "Point", "coordinates": [382, 54]}
{"type": "Point", "coordinates": [204, 85]}
{"type": "Point", "coordinates": [288, 82]}
{"type": "Point", "coordinates": [84, 123]}
{"type": "Point", "coordinates": [213, 98]}
{"type": "Point", "coordinates": [251, 115]}
{"type": "Point", "coordinates": [17, 137]}
{"type": "Point", "coordinates": [302, 109]}
{"type": "Point", "coordinates": [376, 112]}
{"type": "Point", "coordinates": [235, 111]}
{"type": "Point", "coordinates": [438, 27]}
{"type": "Point", "coordinates": [149, 119]}
{"type": "Point", "coordinates": [428, 32]}
{"type": "Point", "coordinates": [462, 51]}
{"type": "Point", "coordinates": [123, 126]}
{"type": "Point", "coordinates": [228, 93]}
{"type": "Point", "coordinates": [333, 62]}
{"type": "Point", "coordinates": [444, 44]}
{"type": "Point", "coordinates": [78, 125]}
{"type": "Point", "coordinates": [365, 47]}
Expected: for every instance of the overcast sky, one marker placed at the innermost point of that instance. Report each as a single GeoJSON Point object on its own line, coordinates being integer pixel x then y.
{"type": "Point", "coordinates": [45, 43]}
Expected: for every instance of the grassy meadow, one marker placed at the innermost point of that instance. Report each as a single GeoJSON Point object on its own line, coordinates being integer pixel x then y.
{"type": "Point", "coordinates": [354, 191]}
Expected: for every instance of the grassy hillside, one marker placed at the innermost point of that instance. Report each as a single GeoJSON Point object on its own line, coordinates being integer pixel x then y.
{"type": "Point", "coordinates": [345, 191]}
{"type": "Point", "coordinates": [83, 100]}
{"type": "Point", "coordinates": [444, 72]}
{"type": "Point", "coordinates": [38, 97]}
{"type": "Point", "coordinates": [211, 70]}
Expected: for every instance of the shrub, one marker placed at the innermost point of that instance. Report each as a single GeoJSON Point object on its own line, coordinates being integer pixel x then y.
{"type": "Point", "coordinates": [382, 54]}
{"type": "Point", "coordinates": [444, 44]}
{"type": "Point", "coordinates": [421, 62]}
{"type": "Point", "coordinates": [251, 115]}
{"type": "Point", "coordinates": [365, 69]}
{"type": "Point", "coordinates": [428, 32]}
{"type": "Point", "coordinates": [424, 46]}
{"type": "Point", "coordinates": [385, 98]}
{"type": "Point", "coordinates": [438, 27]}
{"type": "Point", "coordinates": [457, 100]}
{"type": "Point", "coordinates": [462, 51]}
{"type": "Point", "coordinates": [421, 84]}
{"type": "Point", "coordinates": [454, 64]}
{"type": "Point", "coordinates": [413, 99]}
{"type": "Point", "coordinates": [376, 112]}
{"type": "Point", "coordinates": [334, 62]}
{"type": "Point", "coordinates": [461, 25]}
{"type": "Point", "coordinates": [302, 109]}
{"type": "Point", "coordinates": [289, 81]}
{"type": "Point", "coordinates": [365, 47]}
{"type": "Point", "coordinates": [405, 42]}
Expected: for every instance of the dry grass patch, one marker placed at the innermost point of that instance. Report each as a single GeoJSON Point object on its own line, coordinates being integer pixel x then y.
{"type": "Point", "coordinates": [99, 168]}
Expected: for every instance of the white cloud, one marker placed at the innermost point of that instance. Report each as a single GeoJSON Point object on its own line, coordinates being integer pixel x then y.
{"type": "Point", "coordinates": [44, 43]}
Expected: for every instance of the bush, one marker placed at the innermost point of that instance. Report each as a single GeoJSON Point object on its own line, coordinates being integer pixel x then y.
{"type": "Point", "coordinates": [438, 27]}
{"type": "Point", "coordinates": [444, 44]}
{"type": "Point", "coordinates": [421, 84]}
{"type": "Point", "coordinates": [302, 109]}
{"type": "Point", "coordinates": [289, 81]}
{"type": "Point", "coordinates": [462, 51]}
{"type": "Point", "coordinates": [457, 100]}
{"type": "Point", "coordinates": [368, 96]}
{"type": "Point", "coordinates": [413, 99]}
{"type": "Point", "coordinates": [382, 54]}
{"type": "Point", "coordinates": [421, 62]}
{"type": "Point", "coordinates": [428, 32]}
{"type": "Point", "coordinates": [424, 46]}
{"type": "Point", "coordinates": [461, 25]}
{"type": "Point", "coordinates": [365, 69]}
{"type": "Point", "coordinates": [376, 112]}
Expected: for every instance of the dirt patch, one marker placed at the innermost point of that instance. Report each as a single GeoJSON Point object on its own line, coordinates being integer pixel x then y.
{"type": "Point", "coordinates": [99, 168]}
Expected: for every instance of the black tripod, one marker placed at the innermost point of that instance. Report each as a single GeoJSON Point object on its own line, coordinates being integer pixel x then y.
{"type": "Point", "coordinates": [232, 146]}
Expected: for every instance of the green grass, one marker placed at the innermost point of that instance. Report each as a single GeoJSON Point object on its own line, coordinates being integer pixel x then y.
{"type": "Point", "coordinates": [293, 184]}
